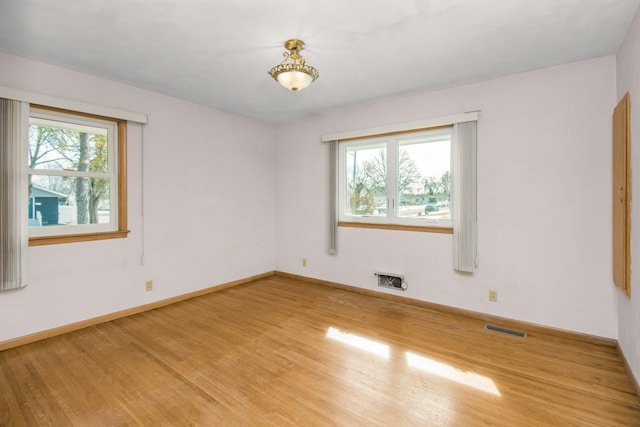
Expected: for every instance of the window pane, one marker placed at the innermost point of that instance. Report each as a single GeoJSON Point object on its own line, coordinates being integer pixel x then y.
{"type": "Point", "coordinates": [366, 176]}
{"type": "Point", "coordinates": [57, 200]}
{"type": "Point", "coordinates": [59, 145]}
{"type": "Point", "coordinates": [424, 188]}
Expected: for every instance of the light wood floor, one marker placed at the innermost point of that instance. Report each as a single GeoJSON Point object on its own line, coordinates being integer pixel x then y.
{"type": "Point", "coordinates": [285, 353]}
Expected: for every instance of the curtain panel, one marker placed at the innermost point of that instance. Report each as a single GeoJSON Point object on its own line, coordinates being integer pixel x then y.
{"type": "Point", "coordinates": [333, 198]}
{"type": "Point", "coordinates": [13, 194]}
{"type": "Point", "coordinates": [463, 165]}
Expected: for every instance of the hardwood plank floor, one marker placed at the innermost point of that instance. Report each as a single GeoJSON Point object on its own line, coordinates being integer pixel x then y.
{"type": "Point", "coordinates": [280, 352]}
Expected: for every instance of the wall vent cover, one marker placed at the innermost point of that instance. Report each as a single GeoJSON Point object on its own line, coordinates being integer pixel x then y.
{"type": "Point", "coordinates": [505, 331]}
{"type": "Point", "coordinates": [391, 281]}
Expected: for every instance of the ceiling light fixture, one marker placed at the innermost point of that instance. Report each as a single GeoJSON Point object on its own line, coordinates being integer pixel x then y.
{"type": "Point", "coordinates": [292, 72]}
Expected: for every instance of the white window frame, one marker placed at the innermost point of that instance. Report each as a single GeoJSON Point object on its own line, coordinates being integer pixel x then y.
{"type": "Point", "coordinates": [392, 144]}
{"type": "Point", "coordinates": [80, 120]}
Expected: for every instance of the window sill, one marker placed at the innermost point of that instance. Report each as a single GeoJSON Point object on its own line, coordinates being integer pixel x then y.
{"type": "Point", "coordinates": [421, 228]}
{"type": "Point", "coordinates": [71, 238]}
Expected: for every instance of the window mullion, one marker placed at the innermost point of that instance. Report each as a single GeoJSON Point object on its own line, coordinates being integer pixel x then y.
{"type": "Point", "coordinates": [392, 179]}
{"type": "Point", "coordinates": [72, 174]}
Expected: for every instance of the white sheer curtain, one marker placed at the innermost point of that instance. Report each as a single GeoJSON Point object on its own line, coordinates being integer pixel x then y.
{"type": "Point", "coordinates": [463, 210]}
{"type": "Point", "coordinates": [13, 196]}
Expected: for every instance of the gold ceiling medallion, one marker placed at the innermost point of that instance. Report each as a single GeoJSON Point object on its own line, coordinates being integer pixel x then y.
{"type": "Point", "coordinates": [292, 72]}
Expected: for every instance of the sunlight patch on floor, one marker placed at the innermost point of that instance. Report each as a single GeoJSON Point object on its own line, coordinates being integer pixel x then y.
{"type": "Point", "coordinates": [359, 342]}
{"type": "Point", "coordinates": [449, 372]}
{"type": "Point", "coordinates": [414, 360]}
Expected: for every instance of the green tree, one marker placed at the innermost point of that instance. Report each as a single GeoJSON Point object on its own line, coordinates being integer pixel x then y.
{"type": "Point", "coordinates": [431, 185]}
{"type": "Point", "coordinates": [98, 187]}
{"type": "Point", "coordinates": [444, 185]}
{"type": "Point", "coordinates": [48, 148]}
{"type": "Point", "coordinates": [438, 186]}
{"type": "Point", "coordinates": [58, 148]}
{"type": "Point", "coordinates": [82, 184]}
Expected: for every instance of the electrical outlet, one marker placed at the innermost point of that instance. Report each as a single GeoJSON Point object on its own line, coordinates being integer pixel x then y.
{"type": "Point", "coordinates": [493, 295]}
{"type": "Point", "coordinates": [148, 285]}
{"type": "Point", "coordinates": [304, 262]}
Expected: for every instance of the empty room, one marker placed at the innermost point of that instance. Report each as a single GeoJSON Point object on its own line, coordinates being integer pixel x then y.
{"type": "Point", "coordinates": [296, 213]}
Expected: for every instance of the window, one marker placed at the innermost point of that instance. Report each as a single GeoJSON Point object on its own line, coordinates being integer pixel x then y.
{"type": "Point", "coordinates": [400, 180]}
{"type": "Point", "coordinates": [418, 176]}
{"type": "Point", "coordinates": [76, 176]}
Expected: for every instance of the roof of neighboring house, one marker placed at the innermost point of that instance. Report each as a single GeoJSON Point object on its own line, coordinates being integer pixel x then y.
{"type": "Point", "coordinates": [37, 191]}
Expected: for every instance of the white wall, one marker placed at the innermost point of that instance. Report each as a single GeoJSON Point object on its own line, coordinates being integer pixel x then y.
{"type": "Point", "coordinates": [544, 178]}
{"type": "Point", "coordinates": [628, 80]}
{"type": "Point", "coordinates": [208, 207]}
{"type": "Point", "coordinates": [544, 204]}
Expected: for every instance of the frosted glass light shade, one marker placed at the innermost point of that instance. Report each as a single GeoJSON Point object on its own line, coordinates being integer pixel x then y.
{"type": "Point", "coordinates": [294, 80]}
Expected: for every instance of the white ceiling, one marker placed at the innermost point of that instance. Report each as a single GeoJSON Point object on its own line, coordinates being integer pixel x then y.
{"type": "Point", "coordinates": [218, 52]}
